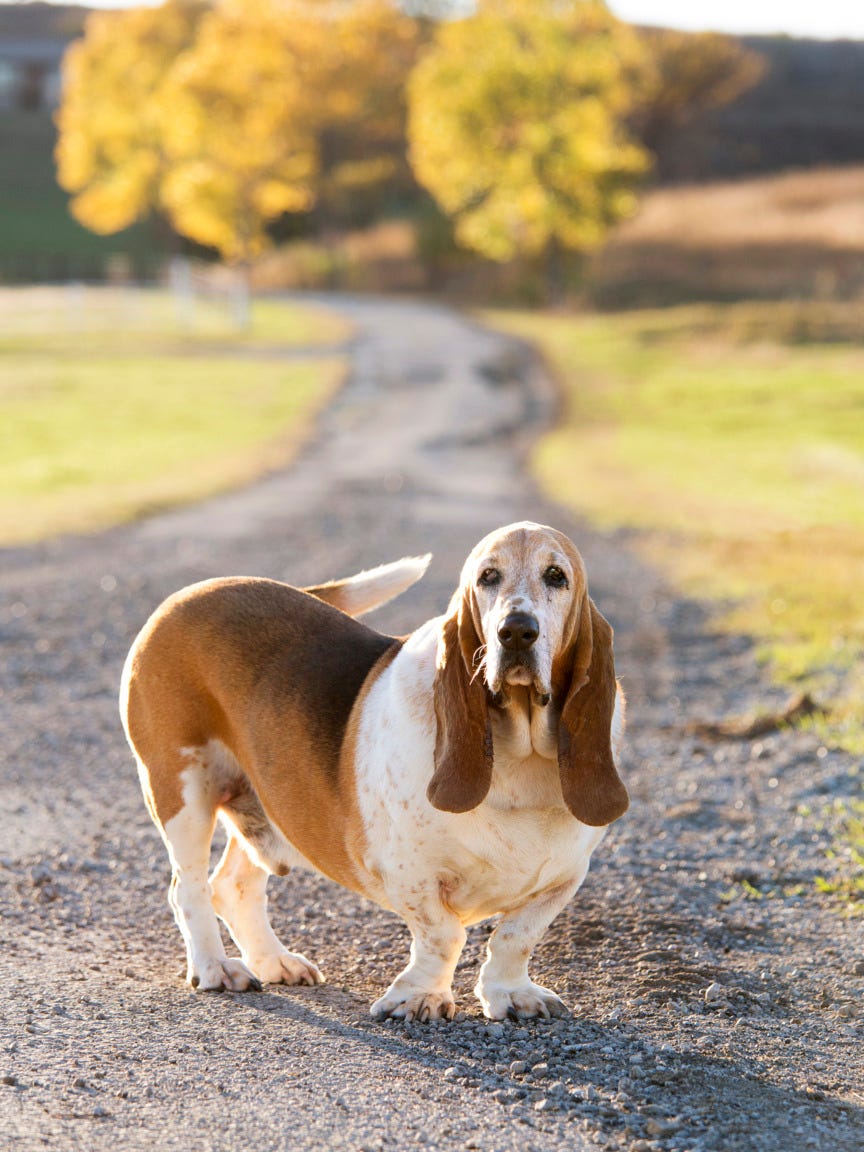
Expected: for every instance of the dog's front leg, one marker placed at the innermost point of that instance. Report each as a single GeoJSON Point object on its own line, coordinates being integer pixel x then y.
{"type": "Point", "coordinates": [504, 987]}
{"type": "Point", "coordinates": [424, 990]}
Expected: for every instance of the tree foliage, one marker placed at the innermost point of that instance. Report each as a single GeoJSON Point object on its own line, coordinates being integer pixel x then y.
{"type": "Point", "coordinates": [225, 117]}
{"type": "Point", "coordinates": [110, 152]}
{"type": "Point", "coordinates": [516, 125]}
{"type": "Point", "coordinates": [237, 130]}
{"type": "Point", "coordinates": [359, 71]}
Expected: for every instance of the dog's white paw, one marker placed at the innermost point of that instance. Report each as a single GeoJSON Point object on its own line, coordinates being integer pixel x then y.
{"type": "Point", "coordinates": [420, 1006]}
{"type": "Point", "coordinates": [224, 976]}
{"type": "Point", "coordinates": [523, 1003]}
{"type": "Point", "coordinates": [285, 967]}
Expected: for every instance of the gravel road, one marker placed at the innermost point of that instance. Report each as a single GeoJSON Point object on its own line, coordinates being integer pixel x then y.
{"type": "Point", "coordinates": [706, 1018]}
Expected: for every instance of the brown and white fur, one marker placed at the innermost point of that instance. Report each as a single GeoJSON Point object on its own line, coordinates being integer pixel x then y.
{"type": "Point", "coordinates": [462, 773]}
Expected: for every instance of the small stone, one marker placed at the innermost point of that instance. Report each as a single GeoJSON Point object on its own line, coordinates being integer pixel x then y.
{"type": "Point", "coordinates": [715, 993]}
{"type": "Point", "coordinates": [543, 1105]}
{"type": "Point", "coordinates": [10, 1080]}
{"type": "Point", "coordinates": [40, 874]}
{"type": "Point", "coordinates": [496, 1030]}
{"type": "Point", "coordinates": [540, 1070]}
{"type": "Point", "coordinates": [858, 968]}
{"type": "Point", "coordinates": [518, 1067]}
{"type": "Point", "coordinates": [510, 1095]}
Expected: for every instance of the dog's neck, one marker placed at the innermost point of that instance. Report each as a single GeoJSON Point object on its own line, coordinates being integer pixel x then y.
{"type": "Point", "coordinates": [523, 727]}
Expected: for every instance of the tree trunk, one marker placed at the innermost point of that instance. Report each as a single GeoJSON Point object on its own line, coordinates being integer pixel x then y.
{"type": "Point", "coordinates": [556, 283]}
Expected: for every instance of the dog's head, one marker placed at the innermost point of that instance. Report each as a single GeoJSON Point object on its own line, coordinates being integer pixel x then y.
{"type": "Point", "coordinates": [522, 616]}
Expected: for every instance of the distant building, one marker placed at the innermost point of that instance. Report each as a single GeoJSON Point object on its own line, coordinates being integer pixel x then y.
{"type": "Point", "coordinates": [30, 72]}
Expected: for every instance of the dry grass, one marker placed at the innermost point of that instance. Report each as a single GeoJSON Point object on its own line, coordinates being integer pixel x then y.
{"type": "Point", "coordinates": [798, 234]}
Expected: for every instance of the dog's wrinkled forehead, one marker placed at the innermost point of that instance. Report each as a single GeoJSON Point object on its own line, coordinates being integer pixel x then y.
{"type": "Point", "coordinates": [521, 552]}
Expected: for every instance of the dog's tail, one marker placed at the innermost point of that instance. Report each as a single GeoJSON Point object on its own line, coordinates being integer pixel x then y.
{"type": "Point", "coordinates": [367, 590]}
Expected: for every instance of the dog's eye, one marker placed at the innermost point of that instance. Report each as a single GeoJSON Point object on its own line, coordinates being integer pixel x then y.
{"type": "Point", "coordinates": [554, 577]}
{"type": "Point", "coordinates": [489, 577]}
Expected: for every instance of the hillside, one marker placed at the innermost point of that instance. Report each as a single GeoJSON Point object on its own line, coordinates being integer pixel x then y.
{"type": "Point", "coordinates": [808, 110]}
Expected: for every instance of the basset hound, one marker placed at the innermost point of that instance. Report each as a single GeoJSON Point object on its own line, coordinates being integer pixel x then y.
{"type": "Point", "coordinates": [464, 772]}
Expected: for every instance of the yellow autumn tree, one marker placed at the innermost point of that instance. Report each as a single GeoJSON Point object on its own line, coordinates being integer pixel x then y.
{"type": "Point", "coordinates": [225, 116]}
{"type": "Point", "coordinates": [238, 129]}
{"type": "Point", "coordinates": [110, 152]}
{"type": "Point", "coordinates": [360, 76]}
{"type": "Point", "coordinates": [516, 125]}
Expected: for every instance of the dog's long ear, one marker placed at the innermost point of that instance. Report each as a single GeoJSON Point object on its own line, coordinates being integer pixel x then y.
{"type": "Point", "coordinates": [463, 740]}
{"type": "Point", "coordinates": [593, 790]}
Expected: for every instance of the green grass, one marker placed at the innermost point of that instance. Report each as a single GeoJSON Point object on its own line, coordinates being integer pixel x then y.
{"type": "Point", "coordinates": [109, 408]}
{"type": "Point", "coordinates": [847, 856]}
{"type": "Point", "coordinates": [734, 437]}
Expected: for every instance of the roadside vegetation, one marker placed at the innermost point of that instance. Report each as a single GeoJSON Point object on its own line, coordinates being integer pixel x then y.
{"type": "Point", "coordinates": [113, 406]}
{"type": "Point", "coordinates": [733, 436]}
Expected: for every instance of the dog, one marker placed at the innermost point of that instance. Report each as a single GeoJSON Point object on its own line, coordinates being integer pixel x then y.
{"type": "Point", "coordinates": [464, 772]}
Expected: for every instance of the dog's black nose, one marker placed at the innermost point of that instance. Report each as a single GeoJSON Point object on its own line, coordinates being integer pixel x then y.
{"type": "Point", "coordinates": [518, 631]}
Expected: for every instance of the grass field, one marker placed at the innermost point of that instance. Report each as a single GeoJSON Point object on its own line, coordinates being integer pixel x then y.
{"type": "Point", "coordinates": [110, 407]}
{"type": "Point", "coordinates": [734, 437]}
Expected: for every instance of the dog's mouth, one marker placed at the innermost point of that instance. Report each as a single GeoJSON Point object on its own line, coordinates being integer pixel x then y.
{"type": "Point", "coordinates": [519, 670]}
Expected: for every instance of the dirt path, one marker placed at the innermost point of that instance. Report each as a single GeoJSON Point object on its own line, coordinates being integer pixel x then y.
{"type": "Point", "coordinates": [704, 1021]}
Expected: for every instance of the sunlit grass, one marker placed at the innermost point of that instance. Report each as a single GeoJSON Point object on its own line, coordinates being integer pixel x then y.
{"type": "Point", "coordinates": [847, 856]}
{"type": "Point", "coordinates": [739, 447]}
{"type": "Point", "coordinates": [81, 318]}
{"type": "Point", "coordinates": [126, 415]}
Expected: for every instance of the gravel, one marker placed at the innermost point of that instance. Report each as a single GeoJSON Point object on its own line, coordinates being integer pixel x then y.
{"type": "Point", "coordinates": [717, 993]}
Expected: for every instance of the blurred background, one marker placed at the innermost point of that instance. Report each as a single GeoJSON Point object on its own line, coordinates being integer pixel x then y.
{"type": "Point", "coordinates": [666, 198]}
{"type": "Point", "coordinates": [739, 145]}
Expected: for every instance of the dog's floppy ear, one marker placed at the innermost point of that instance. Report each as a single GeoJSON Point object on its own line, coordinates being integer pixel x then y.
{"type": "Point", "coordinates": [592, 788]}
{"type": "Point", "coordinates": [463, 740]}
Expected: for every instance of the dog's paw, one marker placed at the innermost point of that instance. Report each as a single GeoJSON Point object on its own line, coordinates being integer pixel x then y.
{"type": "Point", "coordinates": [524, 1003]}
{"type": "Point", "coordinates": [420, 1006]}
{"type": "Point", "coordinates": [224, 976]}
{"type": "Point", "coordinates": [285, 967]}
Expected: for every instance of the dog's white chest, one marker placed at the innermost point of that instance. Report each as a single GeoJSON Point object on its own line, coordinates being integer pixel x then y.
{"type": "Point", "coordinates": [501, 859]}
{"type": "Point", "coordinates": [519, 842]}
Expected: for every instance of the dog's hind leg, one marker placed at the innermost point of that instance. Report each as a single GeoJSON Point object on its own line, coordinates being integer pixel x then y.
{"type": "Point", "coordinates": [239, 886]}
{"type": "Point", "coordinates": [187, 835]}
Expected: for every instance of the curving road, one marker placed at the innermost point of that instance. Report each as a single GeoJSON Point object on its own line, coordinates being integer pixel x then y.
{"type": "Point", "coordinates": [703, 1021]}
